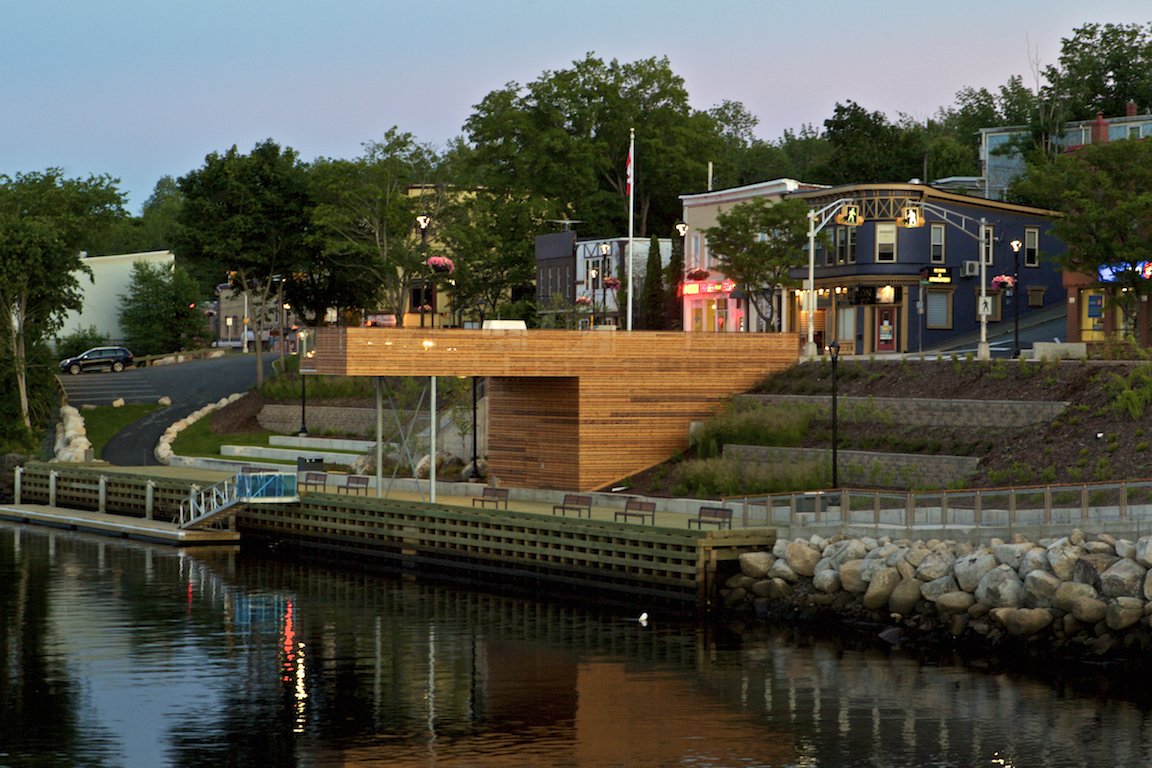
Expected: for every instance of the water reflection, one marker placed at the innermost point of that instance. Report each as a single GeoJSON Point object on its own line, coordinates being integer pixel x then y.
{"type": "Point", "coordinates": [118, 654]}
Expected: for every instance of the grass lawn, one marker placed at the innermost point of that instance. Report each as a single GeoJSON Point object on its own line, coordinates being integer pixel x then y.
{"type": "Point", "coordinates": [198, 439]}
{"type": "Point", "coordinates": [104, 422]}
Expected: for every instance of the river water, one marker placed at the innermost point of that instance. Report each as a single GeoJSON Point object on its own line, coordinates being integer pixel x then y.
{"type": "Point", "coordinates": [116, 653]}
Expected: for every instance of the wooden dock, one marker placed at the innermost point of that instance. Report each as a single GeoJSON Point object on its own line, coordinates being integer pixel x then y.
{"type": "Point", "coordinates": [123, 526]}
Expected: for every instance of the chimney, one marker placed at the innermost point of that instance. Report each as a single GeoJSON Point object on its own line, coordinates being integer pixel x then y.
{"type": "Point", "coordinates": [1130, 109]}
{"type": "Point", "coordinates": [1100, 130]}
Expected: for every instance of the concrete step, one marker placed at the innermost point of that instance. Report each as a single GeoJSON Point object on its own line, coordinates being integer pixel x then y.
{"type": "Point", "coordinates": [339, 458]}
{"type": "Point", "coordinates": [322, 443]}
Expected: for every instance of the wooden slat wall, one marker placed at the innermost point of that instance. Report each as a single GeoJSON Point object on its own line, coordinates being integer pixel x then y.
{"type": "Point", "coordinates": [570, 409]}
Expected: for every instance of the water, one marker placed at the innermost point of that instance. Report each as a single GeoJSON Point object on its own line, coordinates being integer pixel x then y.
{"type": "Point", "coordinates": [122, 654]}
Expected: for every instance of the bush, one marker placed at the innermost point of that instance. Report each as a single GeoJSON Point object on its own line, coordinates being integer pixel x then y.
{"type": "Point", "coordinates": [79, 341]}
{"type": "Point", "coordinates": [746, 423]}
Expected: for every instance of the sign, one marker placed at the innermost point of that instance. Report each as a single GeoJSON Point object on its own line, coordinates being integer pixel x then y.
{"type": "Point", "coordinates": [911, 216]}
{"type": "Point", "coordinates": [937, 275]}
{"type": "Point", "coordinates": [850, 215]}
{"type": "Point", "coordinates": [1095, 305]}
{"type": "Point", "coordinates": [984, 306]}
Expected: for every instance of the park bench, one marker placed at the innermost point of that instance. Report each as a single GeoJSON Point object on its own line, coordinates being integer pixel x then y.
{"type": "Point", "coordinates": [721, 517]}
{"type": "Point", "coordinates": [357, 484]}
{"type": "Point", "coordinates": [574, 502]}
{"type": "Point", "coordinates": [644, 510]}
{"type": "Point", "coordinates": [497, 497]}
{"type": "Point", "coordinates": [314, 481]}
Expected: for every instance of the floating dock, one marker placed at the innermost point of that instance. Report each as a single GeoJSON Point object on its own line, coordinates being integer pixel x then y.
{"type": "Point", "coordinates": [123, 526]}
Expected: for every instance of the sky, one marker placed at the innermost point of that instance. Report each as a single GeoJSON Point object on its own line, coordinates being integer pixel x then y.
{"type": "Point", "coordinates": [141, 89]}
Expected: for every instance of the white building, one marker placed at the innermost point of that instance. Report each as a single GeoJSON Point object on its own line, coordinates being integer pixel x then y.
{"type": "Point", "coordinates": [111, 278]}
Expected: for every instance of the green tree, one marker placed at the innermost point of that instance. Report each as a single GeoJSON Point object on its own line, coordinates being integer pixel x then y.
{"type": "Point", "coordinates": [565, 138]}
{"type": "Point", "coordinates": [158, 313]}
{"type": "Point", "coordinates": [45, 221]}
{"type": "Point", "coordinates": [673, 279]}
{"type": "Point", "coordinates": [867, 148]}
{"type": "Point", "coordinates": [247, 217]}
{"type": "Point", "coordinates": [1101, 68]}
{"type": "Point", "coordinates": [652, 295]}
{"type": "Point", "coordinates": [490, 237]}
{"type": "Point", "coordinates": [1104, 192]}
{"type": "Point", "coordinates": [365, 227]}
{"type": "Point", "coordinates": [757, 243]}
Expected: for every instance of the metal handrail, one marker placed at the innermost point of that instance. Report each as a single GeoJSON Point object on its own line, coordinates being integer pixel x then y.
{"type": "Point", "coordinates": [250, 487]}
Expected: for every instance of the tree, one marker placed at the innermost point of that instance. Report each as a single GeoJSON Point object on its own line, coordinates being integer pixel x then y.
{"type": "Point", "coordinates": [652, 295]}
{"type": "Point", "coordinates": [756, 244]}
{"type": "Point", "coordinates": [1101, 68]}
{"type": "Point", "coordinates": [365, 227]}
{"type": "Point", "coordinates": [158, 313]}
{"type": "Point", "coordinates": [867, 148]}
{"type": "Point", "coordinates": [45, 221]}
{"type": "Point", "coordinates": [1104, 192]}
{"type": "Point", "coordinates": [490, 238]}
{"type": "Point", "coordinates": [247, 217]}
{"type": "Point", "coordinates": [565, 138]}
{"type": "Point", "coordinates": [673, 280]}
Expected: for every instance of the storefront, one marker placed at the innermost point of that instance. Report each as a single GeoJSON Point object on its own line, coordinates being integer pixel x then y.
{"type": "Point", "coordinates": [709, 306]}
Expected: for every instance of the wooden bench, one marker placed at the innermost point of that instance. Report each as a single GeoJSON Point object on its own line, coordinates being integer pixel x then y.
{"type": "Point", "coordinates": [644, 510]}
{"type": "Point", "coordinates": [357, 484]}
{"type": "Point", "coordinates": [721, 517]}
{"type": "Point", "coordinates": [574, 502]}
{"type": "Point", "coordinates": [314, 481]}
{"type": "Point", "coordinates": [497, 497]}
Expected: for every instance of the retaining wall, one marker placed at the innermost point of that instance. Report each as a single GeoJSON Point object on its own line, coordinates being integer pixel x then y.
{"type": "Point", "coordinates": [1005, 414]}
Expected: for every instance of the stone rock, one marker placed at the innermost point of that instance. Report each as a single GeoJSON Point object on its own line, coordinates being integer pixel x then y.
{"type": "Point", "coordinates": [164, 400]}
{"type": "Point", "coordinates": [1040, 589]}
{"type": "Point", "coordinates": [780, 570]}
{"type": "Point", "coordinates": [739, 580]}
{"type": "Point", "coordinates": [827, 581]}
{"type": "Point", "coordinates": [1023, 621]}
{"type": "Point", "coordinates": [1144, 551]}
{"type": "Point", "coordinates": [1090, 567]}
{"type": "Point", "coordinates": [780, 548]}
{"type": "Point", "coordinates": [955, 602]}
{"type": "Point", "coordinates": [1000, 588]}
{"type": "Point", "coordinates": [1010, 554]}
{"type": "Point", "coordinates": [1062, 558]}
{"type": "Point", "coordinates": [802, 558]}
{"type": "Point", "coordinates": [845, 550]}
{"type": "Point", "coordinates": [778, 589]}
{"type": "Point", "coordinates": [852, 577]}
{"type": "Point", "coordinates": [931, 590]}
{"type": "Point", "coordinates": [1123, 612]}
{"type": "Point", "coordinates": [1089, 610]}
{"type": "Point", "coordinates": [1069, 592]}
{"type": "Point", "coordinates": [937, 564]}
{"type": "Point", "coordinates": [905, 596]}
{"type": "Point", "coordinates": [880, 588]}
{"type": "Point", "coordinates": [762, 588]}
{"type": "Point", "coordinates": [969, 569]}
{"type": "Point", "coordinates": [1125, 548]}
{"type": "Point", "coordinates": [1125, 578]}
{"type": "Point", "coordinates": [1035, 559]}
{"type": "Point", "coordinates": [916, 554]}
{"type": "Point", "coordinates": [735, 597]}
{"type": "Point", "coordinates": [756, 564]}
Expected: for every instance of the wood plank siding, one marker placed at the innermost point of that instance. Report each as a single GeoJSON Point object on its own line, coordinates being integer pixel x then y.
{"type": "Point", "coordinates": [574, 410]}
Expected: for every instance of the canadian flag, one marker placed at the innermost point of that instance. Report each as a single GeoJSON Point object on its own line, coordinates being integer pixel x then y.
{"type": "Point", "coordinates": [628, 173]}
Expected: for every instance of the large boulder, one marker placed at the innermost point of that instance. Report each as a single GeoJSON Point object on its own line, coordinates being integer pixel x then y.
{"type": "Point", "coordinates": [1035, 559]}
{"type": "Point", "coordinates": [938, 563]}
{"type": "Point", "coordinates": [970, 569]}
{"type": "Point", "coordinates": [1062, 558]}
{"type": "Point", "coordinates": [955, 602]}
{"type": "Point", "coordinates": [802, 558]}
{"type": "Point", "coordinates": [1144, 551]}
{"type": "Point", "coordinates": [905, 596]}
{"type": "Point", "coordinates": [1040, 589]}
{"type": "Point", "coordinates": [756, 564]}
{"type": "Point", "coordinates": [1069, 592]}
{"type": "Point", "coordinates": [1124, 578]}
{"type": "Point", "coordinates": [880, 588]}
{"type": "Point", "coordinates": [930, 590]}
{"type": "Point", "coordinates": [852, 576]}
{"type": "Point", "coordinates": [1089, 610]}
{"type": "Point", "coordinates": [1000, 588]}
{"type": "Point", "coordinates": [1023, 621]}
{"type": "Point", "coordinates": [1123, 612]}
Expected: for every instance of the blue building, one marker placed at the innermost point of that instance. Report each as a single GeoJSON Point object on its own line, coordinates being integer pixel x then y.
{"type": "Point", "coordinates": [897, 268]}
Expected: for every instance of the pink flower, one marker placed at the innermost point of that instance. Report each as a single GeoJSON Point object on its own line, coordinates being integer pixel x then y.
{"type": "Point", "coordinates": [1007, 282]}
{"type": "Point", "coordinates": [441, 264]}
{"type": "Point", "coordinates": [611, 283]}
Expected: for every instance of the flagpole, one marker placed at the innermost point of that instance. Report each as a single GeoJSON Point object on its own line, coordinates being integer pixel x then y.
{"type": "Point", "coordinates": [631, 218]}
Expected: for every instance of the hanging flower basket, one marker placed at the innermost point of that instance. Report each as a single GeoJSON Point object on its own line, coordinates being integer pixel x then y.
{"type": "Point", "coordinates": [583, 301]}
{"type": "Point", "coordinates": [1004, 282]}
{"type": "Point", "coordinates": [698, 274]}
{"type": "Point", "coordinates": [441, 264]}
{"type": "Point", "coordinates": [612, 283]}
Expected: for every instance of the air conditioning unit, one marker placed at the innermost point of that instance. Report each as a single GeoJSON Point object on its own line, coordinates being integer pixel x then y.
{"type": "Point", "coordinates": [970, 269]}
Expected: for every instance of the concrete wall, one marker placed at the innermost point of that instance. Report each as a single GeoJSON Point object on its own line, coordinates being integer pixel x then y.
{"type": "Point", "coordinates": [951, 413]}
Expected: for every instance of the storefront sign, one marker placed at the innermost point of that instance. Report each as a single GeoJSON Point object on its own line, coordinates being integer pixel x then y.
{"type": "Point", "coordinates": [937, 275]}
{"type": "Point", "coordinates": [720, 286]}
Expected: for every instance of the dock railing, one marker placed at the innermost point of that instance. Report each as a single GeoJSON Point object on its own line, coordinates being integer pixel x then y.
{"type": "Point", "coordinates": [203, 505]}
{"type": "Point", "coordinates": [984, 512]}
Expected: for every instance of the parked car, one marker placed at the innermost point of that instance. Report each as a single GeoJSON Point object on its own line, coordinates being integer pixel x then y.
{"type": "Point", "coordinates": [99, 358]}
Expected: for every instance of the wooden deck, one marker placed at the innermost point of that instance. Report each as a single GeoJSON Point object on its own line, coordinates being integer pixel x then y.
{"type": "Point", "coordinates": [570, 409]}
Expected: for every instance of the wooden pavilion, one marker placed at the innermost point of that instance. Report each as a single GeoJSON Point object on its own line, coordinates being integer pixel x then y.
{"type": "Point", "coordinates": [573, 410]}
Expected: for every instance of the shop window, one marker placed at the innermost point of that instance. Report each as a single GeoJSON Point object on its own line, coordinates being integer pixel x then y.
{"type": "Point", "coordinates": [938, 309]}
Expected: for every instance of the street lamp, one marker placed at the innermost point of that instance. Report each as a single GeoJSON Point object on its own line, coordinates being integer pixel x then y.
{"type": "Point", "coordinates": [605, 271]}
{"type": "Point", "coordinates": [592, 274]}
{"type": "Point", "coordinates": [834, 352]}
{"type": "Point", "coordinates": [1016, 245]}
{"type": "Point", "coordinates": [303, 387]}
{"type": "Point", "coordinates": [422, 221]}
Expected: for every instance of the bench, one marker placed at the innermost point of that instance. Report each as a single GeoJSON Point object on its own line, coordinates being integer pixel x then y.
{"type": "Point", "coordinates": [721, 517]}
{"type": "Point", "coordinates": [497, 497]}
{"type": "Point", "coordinates": [357, 484]}
{"type": "Point", "coordinates": [314, 481]}
{"type": "Point", "coordinates": [574, 502]}
{"type": "Point", "coordinates": [637, 508]}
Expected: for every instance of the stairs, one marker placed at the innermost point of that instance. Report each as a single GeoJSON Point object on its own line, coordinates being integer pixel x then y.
{"type": "Point", "coordinates": [208, 506]}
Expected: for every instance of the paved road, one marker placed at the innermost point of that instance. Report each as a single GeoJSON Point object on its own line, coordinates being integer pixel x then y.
{"type": "Point", "coordinates": [190, 385]}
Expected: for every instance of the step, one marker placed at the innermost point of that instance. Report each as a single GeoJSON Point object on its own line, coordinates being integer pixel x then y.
{"type": "Point", "coordinates": [322, 443]}
{"type": "Point", "coordinates": [289, 454]}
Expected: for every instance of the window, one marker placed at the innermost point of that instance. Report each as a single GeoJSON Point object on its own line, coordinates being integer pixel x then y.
{"type": "Point", "coordinates": [938, 309]}
{"type": "Point", "coordinates": [851, 245]}
{"type": "Point", "coordinates": [1031, 247]}
{"type": "Point", "coordinates": [886, 242]}
{"type": "Point", "coordinates": [841, 245]}
{"type": "Point", "coordinates": [937, 249]}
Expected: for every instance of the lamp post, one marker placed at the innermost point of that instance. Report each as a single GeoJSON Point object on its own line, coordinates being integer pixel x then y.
{"type": "Point", "coordinates": [605, 252]}
{"type": "Point", "coordinates": [303, 387]}
{"type": "Point", "coordinates": [592, 274]}
{"type": "Point", "coordinates": [475, 472]}
{"type": "Point", "coordinates": [422, 221]}
{"type": "Point", "coordinates": [1016, 245]}
{"type": "Point", "coordinates": [834, 352]}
